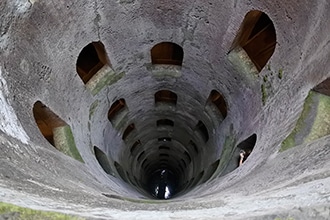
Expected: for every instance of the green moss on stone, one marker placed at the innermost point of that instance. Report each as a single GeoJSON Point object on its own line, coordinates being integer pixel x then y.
{"type": "Point", "coordinates": [104, 77]}
{"type": "Point", "coordinates": [89, 126]}
{"type": "Point", "coordinates": [265, 78]}
{"type": "Point", "coordinates": [280, 73]}
{"type": "Point", "coordinates": [161, 71]}
{"type": "Point", "coordinates": [93, 108]}
{"type": "Point", "coordinates": [287, 143]}
{"type": "Point", "coordinates": [64, 142]}
{"type": "Point", "coordinates": [290, 141]}
{"type": "Point", "coordinates": [242, 62]}
{"type": "Point", "coordinates": [9, 211]}
{"type": "Point", "coordinates": [321, 125]}
{"type": "Point", "coordinates": [263, 94]}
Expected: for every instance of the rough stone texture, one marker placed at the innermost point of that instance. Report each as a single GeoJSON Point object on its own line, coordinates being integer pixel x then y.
{"type": "Point", "coordinates": [39, 45]}
{"type": "Point", "coordinates": [313, 122]}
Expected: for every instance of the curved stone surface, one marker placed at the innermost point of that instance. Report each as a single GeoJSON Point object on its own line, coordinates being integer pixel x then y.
{"type": "Point", "coordinates": [194, 134]}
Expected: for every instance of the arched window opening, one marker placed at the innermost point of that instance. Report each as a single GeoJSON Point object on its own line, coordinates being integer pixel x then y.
{"type": "Point", "coordinates": [135, 146]}
{"type": "Point", "coordinates": [184, 163]}
{"type": "Point", "coordinates": [144, 163]}
{"type": "Point", "coordinates": [166, 96]}
{"type": "Point", "coordinates": [163, 166]}
{"type": "Point", "coordinates": [323, 87]}
{"type": "Point", "coordinates": [140, 156]}
{"type": "Point", "coordinates": [163, 160]}
{"type": "Point", "coordinates": [313, 122]}
{"type": "Point", "coordinates": [135, 180]}
{"type": "Point", "coordinates": [147, 166]}
{"type": "Point", "coordinates": [164, 155]}
{"type": "Point", "coordinates": [116, 108]}
{"type": "Point", "coordinates": [165, 122]}
{"type": "Point", "coordinates": [257, 36]}
{"type": "Point", "coordinates": [217, 99]}
{"type": "Point", "coordinates": [130, 179]}
{"type": "Point", "coordinates": [55, 130]}
{"type": "Point", "coordinates": [128, 130]}
{"type": "Point", "coordinates": [180, 165]}
{"type": "Point", "coordinates": [246, 147]}
{"type": "Point", "coordinates": [191, 181]}
{"type": "Point", "coordinates": [200, 176]}
{"type": "Point", "coordinates": [248, 143]}
{"type": "Point", "coordinates": [194, 146]}
{"type": "Point", "coordinates": [46, 121]}
{"type": "Point", "coordinates": [90, 60]}
{"type": "Point", "coordinates": [187, 156]}
{"type": "Point", "coordinates": [164, 148]}
{"type": "Point", "coordinates": [167, 53]}
{"type": "Point", "coordinates": [120, 171]}
{"type": "Point", "coordinates": [201, 128]}
{"type": "Point", "coordinates": [103, 160]}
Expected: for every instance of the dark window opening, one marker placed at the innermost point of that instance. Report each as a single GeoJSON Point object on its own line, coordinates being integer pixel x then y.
{"type": "Point", "coordinates": [90, 60]}
{"type": "Point", "coordinates": [129, 179]}
{"type": "Point", "coordinates": [147, 166]}
{"type": "Point", "coordinates": [164, 155]}
{"type": "Point", "coordinates": [181, 168]}
{"type": "Point", "coordinates": [140, 156]}
{"type": "Point", "coordinates": [55, 130]}
{"type": "Point", "coordinates": [257, 36]}
{"type": "Point", "coordinates": [163, 148]}
{"type": "Point", "coordinates": [187, 156]}
{"type": "Point", "coordinates": [184, 163]}
{"type": "Point", "coordinates": [217, 99]}
{"type": "Point", "coordinates": [103, 160]}
{"type": "Point", "coordinates": [323, 87]}
{"type": "Point", "coordinates": [247, 146]}
{"type": "Point", "coordinates": [166, 96]}
{"type": "Point", "coordinates": [116, 108]}
{"type": "Point", "coordinates": [135, 145]}
{"type": "Point", "coordinates": [191, 181]}
{"type": "Point", "coordinates": [203, 130]}
{"type": "Point", "coordinates": [164, 139]}
{"type": "Point", "coordinates": [200, 175]}
{"type": "Point", "coordinates": [135, 179]}
{"type": "Point", "coordinates": [120, 171]}
{"type": "Point", "coordinates": [248, 143]}
{"type": "Point", "coordinates": [128, 130]}
{"type": "Point", "coordinates": [144, 162]}
{"type": "Point", "coordinates": [165, 122]}
{"type": "Point", "coordinates": [191, 143]}
{"type": "Point", "coordinates": [47, 121]}
{"type": "Point", "coordinates": [163, 160]}
{"type": "Point", "coordinates": [167, 53]}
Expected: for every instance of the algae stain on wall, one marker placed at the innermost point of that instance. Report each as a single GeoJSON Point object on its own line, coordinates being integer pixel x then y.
{"type": "Point", "coordinates": [313, 123]}
{"type": "Point", "coordinates": [9, 211]}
